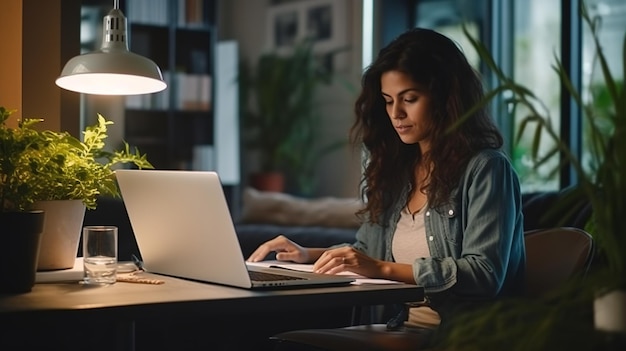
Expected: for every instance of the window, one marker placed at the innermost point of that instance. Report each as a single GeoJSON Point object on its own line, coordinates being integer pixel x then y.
{"type": "Point", "coordinates": [611, 17]}
{"type": "Point", "coordinates": [448, 18]}
{"type": "Point", "coordinates": [536, 45]}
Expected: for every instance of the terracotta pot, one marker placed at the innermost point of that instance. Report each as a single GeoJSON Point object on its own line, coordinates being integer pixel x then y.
{"type": "Point", "coordinates": [268, 181]}
{"type": "Point", "coordinates": [21, 239]}
{"type": "Point", "coordinates": [61, 233]}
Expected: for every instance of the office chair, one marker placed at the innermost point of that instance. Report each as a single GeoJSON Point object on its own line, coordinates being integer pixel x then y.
{"type": "Point", "coordinates": [552, 257]}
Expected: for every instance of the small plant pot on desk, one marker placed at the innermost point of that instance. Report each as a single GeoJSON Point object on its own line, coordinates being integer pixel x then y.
{"type": "Point", "coordinates": [61, 234]}
{"type": "Point", "coordinates": [21, 239]}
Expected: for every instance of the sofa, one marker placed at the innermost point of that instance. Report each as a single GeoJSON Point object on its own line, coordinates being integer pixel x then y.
{"type": "Point", "coordinates": [319, 222]}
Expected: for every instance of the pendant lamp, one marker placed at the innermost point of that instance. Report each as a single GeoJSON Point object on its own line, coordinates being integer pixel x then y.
{"type": "Point", "coordinates": [112, 70]}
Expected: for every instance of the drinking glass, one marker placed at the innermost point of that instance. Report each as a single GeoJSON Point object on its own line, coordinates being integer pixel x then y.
{"type": "Point", "coordinates": [100, 254]}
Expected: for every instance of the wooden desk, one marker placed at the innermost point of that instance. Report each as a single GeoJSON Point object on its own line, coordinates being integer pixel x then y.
{"type": "Point", "coordinates": [70, 305]}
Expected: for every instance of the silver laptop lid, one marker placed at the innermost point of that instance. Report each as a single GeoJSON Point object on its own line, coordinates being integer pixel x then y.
{"type": "Point", "coordinates": [183, 228]}
{"type": "Point", "coordinates": [180, 219]}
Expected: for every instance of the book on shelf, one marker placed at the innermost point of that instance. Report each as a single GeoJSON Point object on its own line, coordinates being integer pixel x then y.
{"type": "Point", "coordinates": [193, 91]}
{"type": "Point", "coordinates": [191, 13]}
{"type": "Point", "coordinates": [148, 12]}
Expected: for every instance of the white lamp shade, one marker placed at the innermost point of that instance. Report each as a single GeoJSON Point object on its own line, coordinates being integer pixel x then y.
{"type": "Point", "coordinates": [112, 70]}
{"type": "Point", "coordinates": [116, 72]}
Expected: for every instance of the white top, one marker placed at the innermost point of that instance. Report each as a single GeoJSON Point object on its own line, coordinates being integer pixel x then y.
{"type": "Point", "coordinates": [409, 240]}
{"type": "Point", "coordinates": [409, 243]}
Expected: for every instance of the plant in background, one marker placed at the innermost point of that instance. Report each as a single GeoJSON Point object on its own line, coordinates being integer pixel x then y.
{"type": "Point", "coordinates": [46, 165]}
{"type": "Point", "coordinates": [280, 116]}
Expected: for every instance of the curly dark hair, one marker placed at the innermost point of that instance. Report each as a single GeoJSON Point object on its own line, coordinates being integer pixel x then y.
{"type": "Point", "coordinates": [435, 62]}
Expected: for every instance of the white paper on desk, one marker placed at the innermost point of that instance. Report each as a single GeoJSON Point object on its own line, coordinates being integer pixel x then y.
{"type": "Point", "coordinates": [62, 275]}
{"type": "Point", "coordinates": [359, 279]}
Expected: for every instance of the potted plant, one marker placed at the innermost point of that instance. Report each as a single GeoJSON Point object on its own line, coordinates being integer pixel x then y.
{"type": "Point", "coordinates": [38, 166]}
{"type": "Point", "coordinates": [280, 118]}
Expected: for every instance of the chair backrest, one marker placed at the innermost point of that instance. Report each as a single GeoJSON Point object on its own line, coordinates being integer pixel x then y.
{"type": "Point", "coordinates": [555, 255]}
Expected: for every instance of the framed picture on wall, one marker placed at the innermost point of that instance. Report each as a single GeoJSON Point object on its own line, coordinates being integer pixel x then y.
{"type": "Point", "coordinates": [323, 21]}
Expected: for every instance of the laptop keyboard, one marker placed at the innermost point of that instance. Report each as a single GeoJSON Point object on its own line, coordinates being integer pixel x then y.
{"type": "Point", "coordinates": [268, 277]}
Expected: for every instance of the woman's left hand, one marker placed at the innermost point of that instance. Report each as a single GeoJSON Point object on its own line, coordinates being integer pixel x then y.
{"type": "Point", "coordinates": [348, 259]}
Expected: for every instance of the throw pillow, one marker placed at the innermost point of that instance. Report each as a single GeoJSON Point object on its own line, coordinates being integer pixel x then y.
{"type": "Point", "coordinates": [289, 210]}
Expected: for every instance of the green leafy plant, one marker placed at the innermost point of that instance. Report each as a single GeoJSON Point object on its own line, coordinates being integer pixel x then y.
{"type": "Point", "coordinates": [280, 116]}
{"type": "Point", "coordinates": [45, 165]}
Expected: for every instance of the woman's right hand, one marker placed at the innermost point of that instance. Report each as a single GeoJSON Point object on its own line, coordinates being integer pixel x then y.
{"type": "Point", "coordinates": [286, 250]}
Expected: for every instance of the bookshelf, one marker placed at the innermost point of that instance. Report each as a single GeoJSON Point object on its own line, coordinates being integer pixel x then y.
{"type": "Point", "coordinates": [180, 36]}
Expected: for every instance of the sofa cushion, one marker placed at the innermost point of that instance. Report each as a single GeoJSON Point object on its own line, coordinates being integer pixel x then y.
{"type": "Point", "coordinates": [287, 210]}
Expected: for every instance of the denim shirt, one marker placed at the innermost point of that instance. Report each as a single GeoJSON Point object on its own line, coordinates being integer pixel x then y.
{"type": "Point", "coordinates": [476, 241]}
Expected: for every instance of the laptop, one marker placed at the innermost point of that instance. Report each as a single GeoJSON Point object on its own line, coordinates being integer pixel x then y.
{"type": "Point", "coordinates": [184, 229]}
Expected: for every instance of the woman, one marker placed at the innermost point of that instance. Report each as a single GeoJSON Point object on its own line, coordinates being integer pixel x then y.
{"type": "Point", "coordinates": [443, 207]}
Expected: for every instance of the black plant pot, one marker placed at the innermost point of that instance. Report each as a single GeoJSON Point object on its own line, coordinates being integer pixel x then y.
{"type": "Point", "coordinates": [21, 238]}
